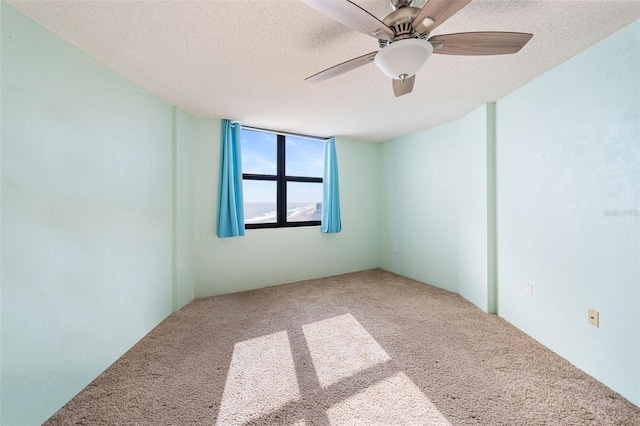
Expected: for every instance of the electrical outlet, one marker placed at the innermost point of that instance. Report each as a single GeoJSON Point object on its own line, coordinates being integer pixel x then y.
{"type": "Point", "coordinates": [594, 318]}
{"type": "Point", "coordinates": [395, 248]}
{"type": "Point", "coordinates": [528, 289]}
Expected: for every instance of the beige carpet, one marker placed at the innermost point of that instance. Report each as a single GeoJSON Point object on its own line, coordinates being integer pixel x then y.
{"type": "Point", "coordinates": [358, 349]}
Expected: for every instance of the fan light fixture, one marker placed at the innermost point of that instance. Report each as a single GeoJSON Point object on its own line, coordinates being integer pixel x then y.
{"type": "Point", "coordinates": [403, 58]}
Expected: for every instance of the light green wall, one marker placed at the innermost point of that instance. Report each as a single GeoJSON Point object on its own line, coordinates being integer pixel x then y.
{"type": "Point", "coordinates": [185, 279]}
{"type": "Point", "coordinates": [492, 219]}
{"type": "Point", "coordinates": [418, 196]}
{"type": "Point", "coordinates": [265, 257]}
{"type": "Point", "coordinates": [1, 9]}
{"type": "Point", "coordinates": [569, 153]}
{"type": "Point", "coordinates": [471, 208]}
{"type": "Point", "coordinates": [434, 206]}
{"type": "Point", "coordinates": [86, 218]}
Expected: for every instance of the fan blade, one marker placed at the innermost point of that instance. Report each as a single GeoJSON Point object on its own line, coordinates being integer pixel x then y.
{"type": "Point", "coordinates": [402, 87]}
{"type": "Point", "coordinates": [342, 68]}
{"type": "Point", "coordinates": [439, 11]}
{"type": "Point", "coordinates": [481, 43]}
{"type": "Point", "coordinates": [353, 16]}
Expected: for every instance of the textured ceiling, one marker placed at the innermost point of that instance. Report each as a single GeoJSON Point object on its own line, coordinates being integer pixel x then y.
{"type": "Point", "coordinates": [247, 60]}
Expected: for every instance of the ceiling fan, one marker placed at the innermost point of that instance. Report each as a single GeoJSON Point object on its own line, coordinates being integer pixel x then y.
{"type": "Point", "coordinates": [403, 38]}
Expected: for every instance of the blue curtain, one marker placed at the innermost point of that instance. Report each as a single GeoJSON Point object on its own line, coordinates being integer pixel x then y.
{"type": "Point", "coordinates": [331, 195]}
{"type": "Point", "coordinates": [230, 207]}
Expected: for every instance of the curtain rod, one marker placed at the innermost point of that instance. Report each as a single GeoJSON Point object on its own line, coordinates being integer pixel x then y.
{"type": "Point", "coordinates": [277, 132]}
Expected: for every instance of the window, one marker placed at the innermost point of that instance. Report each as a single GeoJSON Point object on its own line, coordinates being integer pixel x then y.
{"type": "Point", "coordinates": [281, 180]}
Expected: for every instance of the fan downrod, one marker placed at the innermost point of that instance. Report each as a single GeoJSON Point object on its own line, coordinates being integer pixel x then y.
{"type": "Point", "coordinates": [399, 4]}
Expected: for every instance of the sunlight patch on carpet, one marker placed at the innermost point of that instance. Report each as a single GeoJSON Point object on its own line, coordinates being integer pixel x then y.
{"type": "Point", "coordinates": [340, 348]}
{"type": "Point", "coordinates": [396, 400]}
{"type": "Point", "coordinates": [261, 379]}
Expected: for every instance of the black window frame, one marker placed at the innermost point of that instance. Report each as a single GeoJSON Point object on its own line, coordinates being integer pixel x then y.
{"type": "Point", "coordinates": [281, 180]}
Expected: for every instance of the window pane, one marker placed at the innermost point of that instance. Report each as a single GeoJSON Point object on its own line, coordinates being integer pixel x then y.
{"type": "Point", "coordinates": [259, 152]}
{"type": "Point", "coordinates": [304, 201]}
{"type": "Point", "coordinates": [305, 157]}
{"type": "Point", "coordinates": [259, 201]}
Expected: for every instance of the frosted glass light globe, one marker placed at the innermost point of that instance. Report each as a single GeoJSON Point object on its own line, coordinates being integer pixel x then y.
{"type": "Point", "coordinates": [403, 58]}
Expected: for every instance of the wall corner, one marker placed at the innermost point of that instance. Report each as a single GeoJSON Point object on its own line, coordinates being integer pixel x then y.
{"type": "Point", "coordinates": [492, 253]}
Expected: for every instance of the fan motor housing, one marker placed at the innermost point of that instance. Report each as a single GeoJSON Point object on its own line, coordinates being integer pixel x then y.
{"type": "Point", "coordinates": [400, 22]}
